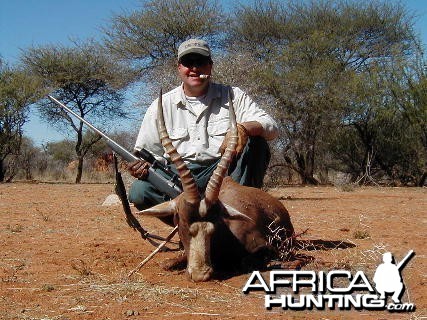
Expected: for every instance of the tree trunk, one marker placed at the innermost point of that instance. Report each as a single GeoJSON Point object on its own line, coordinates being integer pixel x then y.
{"type": "Point", "coordinates": [305, 169]}
{"type": "Point", "coordinates": [28, 173]}
{"type": "Point", "coordinates": [79, 153]}
{"type": "Point", "coordinates": [300, 168]}
{"type": "Point", "coordinates": [422, 180]}
{"type": "Point", "coordinates": [79, 170]}
{"type": "Point", "coordinates": [1, 170]}
{"type": "Point", "coordinates": [308, 179]}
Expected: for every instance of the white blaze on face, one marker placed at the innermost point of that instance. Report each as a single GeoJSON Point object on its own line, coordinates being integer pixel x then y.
{"type": "Point", "coordinates": [199, 262]}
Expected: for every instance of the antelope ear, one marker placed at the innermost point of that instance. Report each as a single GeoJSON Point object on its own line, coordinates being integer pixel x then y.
{"type": "Point", "coordinates": [234, 213]}
{"type": "Point", "coordinates": [164, 209]}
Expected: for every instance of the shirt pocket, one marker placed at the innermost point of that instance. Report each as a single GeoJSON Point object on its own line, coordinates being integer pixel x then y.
{"type": "Point", "coordinates": [216, 131]}
{"type": "Point", "coordinates": [178, 133]}
{"type": "Point", "coordinates": [179, 137]}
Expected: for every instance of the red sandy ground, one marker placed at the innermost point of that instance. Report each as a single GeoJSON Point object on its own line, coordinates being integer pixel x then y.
{"type": "Point", "coordinates": [65, 256]}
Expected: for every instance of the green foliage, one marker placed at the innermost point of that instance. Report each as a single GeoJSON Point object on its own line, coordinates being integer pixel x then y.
{"type": "Point", "coordinates": [318, 65]}
{"type": "Point", "coordinates": [62, 151]}
{"type": "Point", "coordinates": [28, 157]}
{"type": "Point", "coordinates": [346, 80]}
{"type": "Point", "coordinates": [148, 38]}
{"type": "Point", "coordinates": [152, 34]}
{"type": "Point", "coordinates": [387, 124]}
{"type": "Point", "coordinates": [17, 92]}
{"type": "Point", "coordinates": [85, 78]}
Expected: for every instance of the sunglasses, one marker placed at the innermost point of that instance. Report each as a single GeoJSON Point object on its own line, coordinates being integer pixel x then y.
{"type": "Point", "coordinates": [195, 61]}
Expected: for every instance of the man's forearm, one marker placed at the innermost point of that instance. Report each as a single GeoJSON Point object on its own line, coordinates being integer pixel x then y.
{"type": "Point", "coordinates": [253, 128]}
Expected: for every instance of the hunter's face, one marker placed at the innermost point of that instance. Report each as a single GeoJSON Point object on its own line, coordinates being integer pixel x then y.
{"type": "Point", "coordinates": [190, 67]}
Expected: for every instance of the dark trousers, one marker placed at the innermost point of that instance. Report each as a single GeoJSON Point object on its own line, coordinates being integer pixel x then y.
{"type": "Point", "coordinates": [248, 170]}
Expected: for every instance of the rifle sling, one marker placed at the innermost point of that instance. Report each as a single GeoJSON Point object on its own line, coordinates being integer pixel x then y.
{"type": "Point", "coordinates": [130, 218]}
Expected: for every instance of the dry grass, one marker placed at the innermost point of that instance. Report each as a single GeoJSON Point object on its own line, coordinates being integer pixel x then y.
{"type": "Point", "coordinates": [81, 267]}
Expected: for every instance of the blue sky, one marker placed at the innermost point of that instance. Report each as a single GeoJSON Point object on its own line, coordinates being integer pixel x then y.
{"type": "Point", "coordinates": [26, 23]}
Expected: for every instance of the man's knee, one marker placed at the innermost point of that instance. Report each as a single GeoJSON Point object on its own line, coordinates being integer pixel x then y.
{"type": "Point", "coordinates": [260, 145]}
{"type": "Point", "coordinates": [249, 169]}
{"type": "Point", "coordinates": [143, 195]}
{"type": "Point", "coordinates": [137, 193]}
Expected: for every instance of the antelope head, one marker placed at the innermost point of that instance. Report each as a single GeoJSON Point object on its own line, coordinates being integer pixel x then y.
{"type": "Point", "coordinates": [192, 211]}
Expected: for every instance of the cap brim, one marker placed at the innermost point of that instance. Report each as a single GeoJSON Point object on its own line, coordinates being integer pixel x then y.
{"type": "Point", "coordinates": [194, 50]}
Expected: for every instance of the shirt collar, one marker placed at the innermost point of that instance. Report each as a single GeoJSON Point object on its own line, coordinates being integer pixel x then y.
{"type": "Point", "coordinates": [213, 93]}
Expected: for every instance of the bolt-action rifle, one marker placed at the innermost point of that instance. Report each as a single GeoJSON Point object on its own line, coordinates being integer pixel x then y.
{"type": "Point", "coordinates": [170, 187]}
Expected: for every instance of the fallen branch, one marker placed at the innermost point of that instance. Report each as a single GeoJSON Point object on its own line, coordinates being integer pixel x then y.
{"type": "Point", "coordinates": [152, 254]}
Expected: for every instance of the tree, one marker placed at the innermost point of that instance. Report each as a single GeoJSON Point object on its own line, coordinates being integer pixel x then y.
{"type": "Point", "coordinates": [149, 38]}
{"type": "Point", "coordinates": [386, 125]}
{"type": "Point", "coordinates": [86, 79]}
{"type": "Point", "coordinates": [408, 87]}
{"type": "Point", "coordinates": [17, 92]}
{"type": "Point", "coordinates": [307, 60]}
{"type": "Point", "coordinates": [60, 151]}
{"type": "Point", "coordinates": [25, 163]}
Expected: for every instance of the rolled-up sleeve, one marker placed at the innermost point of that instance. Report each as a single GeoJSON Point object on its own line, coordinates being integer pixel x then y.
{"type": "Point", "coordinates": [248, 110]}
{"type": "Point", "coordinates": [148, 136]}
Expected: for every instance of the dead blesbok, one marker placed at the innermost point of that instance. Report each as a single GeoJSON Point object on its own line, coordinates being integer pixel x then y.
{"type": "Point", "coordinates": [230, 225]}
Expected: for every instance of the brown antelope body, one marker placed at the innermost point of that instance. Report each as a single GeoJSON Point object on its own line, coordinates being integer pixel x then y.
{"type": "Point", "coordinates": [228, 227]}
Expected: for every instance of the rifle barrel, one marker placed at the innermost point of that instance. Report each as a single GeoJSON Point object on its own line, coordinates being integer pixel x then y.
{"type": "Point", "coordinates": [128, 156]}
{"type": "Point", "coordinates": [402, 262]}
{"type": "Point", "coordinates": [163, 184]}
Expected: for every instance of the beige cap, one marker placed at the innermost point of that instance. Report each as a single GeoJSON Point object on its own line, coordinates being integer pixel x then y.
{"type": "Point", "coordinates": [194, 46]}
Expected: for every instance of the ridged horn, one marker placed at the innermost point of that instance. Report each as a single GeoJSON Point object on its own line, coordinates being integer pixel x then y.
{"type": "Point", "coordinates": [214, 184]}
{"type": "Point", "coordinates": [191, 193]}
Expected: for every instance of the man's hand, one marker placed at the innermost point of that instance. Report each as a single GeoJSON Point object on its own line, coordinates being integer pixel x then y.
{"type": "Point", "coordinates": [138, 169]}
{"type": "Point", "coordinates": [241, 141]}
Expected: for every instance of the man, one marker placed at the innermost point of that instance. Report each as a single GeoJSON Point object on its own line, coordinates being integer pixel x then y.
{"type": "Point", "coordinates": [387, 278]}
{"type": "Point", "coordinates": [197, 120]}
